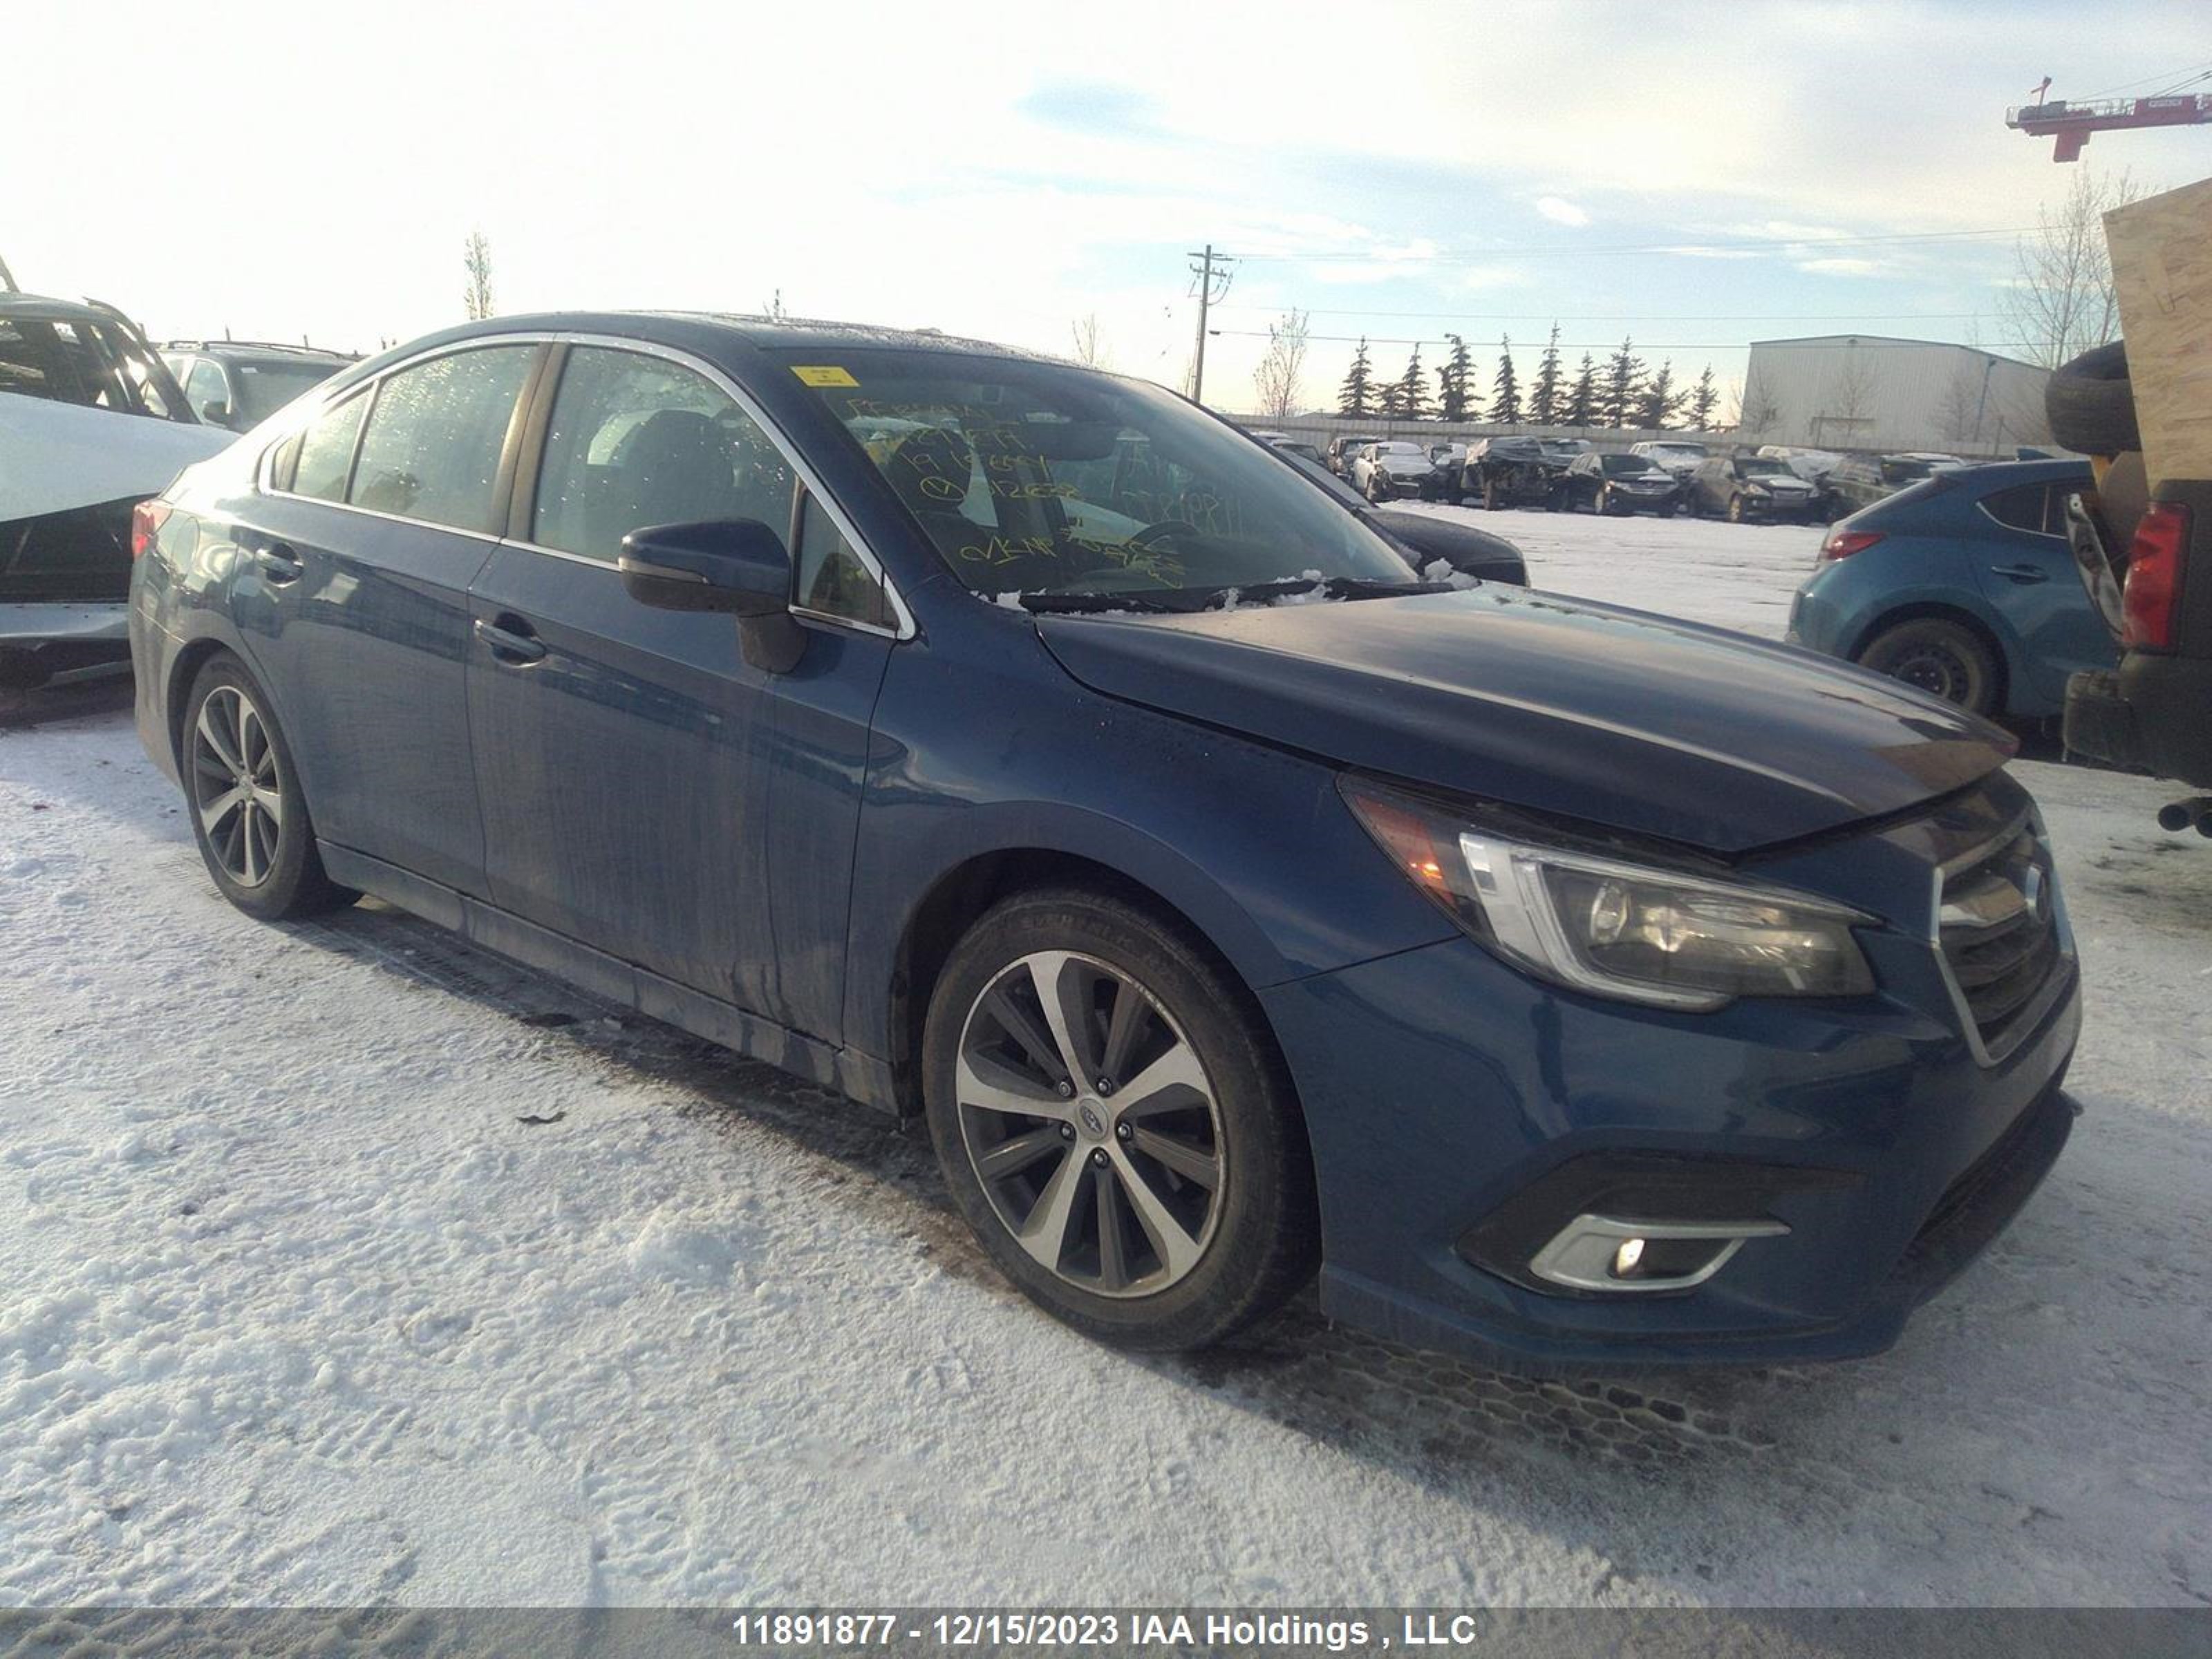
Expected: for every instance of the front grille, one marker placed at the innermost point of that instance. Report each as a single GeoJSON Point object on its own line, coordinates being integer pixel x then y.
{"type": "Point", "coordinates": [1999, 932]}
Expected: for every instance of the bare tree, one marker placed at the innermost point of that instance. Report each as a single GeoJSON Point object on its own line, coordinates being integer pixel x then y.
{"type": "Point", "coordinates": [1756, 410]}
{"type": "Point", "coordinates": [774, 306]}
{"type": "Point", "coordinates": [1276, 380]}
{"type": "Point", "coordinates": [1964, 403]}
{"type": "Point", "coordinates": [476, 253]}
{"type": "Point", "coordinates": [1851, 398]}
{"type": "Point", "coordinates": [2061, 300]}
{"type": "Point", "coordinates": [1090, 344]}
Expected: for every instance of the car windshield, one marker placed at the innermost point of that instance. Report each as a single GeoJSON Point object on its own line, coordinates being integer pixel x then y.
{"type": "Point", "coordinates": [1040, 478]}
{"type": "Point", "coordinates": [1413, 450]}
{"type": "Point", "coordinates": [1680, 452]}
{"type": "Point", "coordinates": [1755, 468]}
{"type": "Point", "coordinates": [265, 388]}
{"type": "Point", "coordinates": [1628, 463]}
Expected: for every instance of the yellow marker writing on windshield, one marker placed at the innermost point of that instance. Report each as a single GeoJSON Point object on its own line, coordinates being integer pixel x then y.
{"type": "Point", "coordinates": [823, 374]}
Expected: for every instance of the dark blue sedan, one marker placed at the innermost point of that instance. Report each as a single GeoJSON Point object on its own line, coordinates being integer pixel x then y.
{"type": "Point", "coordinates": [1963, 586]}
{"type": "Point", "coordinates": [1021, 749]}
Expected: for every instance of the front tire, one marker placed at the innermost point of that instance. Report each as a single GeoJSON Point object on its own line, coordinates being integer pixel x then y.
{"type": "Point", "coordinates": [1114, 1125]}
{"type": "Point", "coordinates": [1735, 509]}
{"type": "Point", "coordinates": [242, 791]}
{"type": "Point", "coordinates": [1942, 658]}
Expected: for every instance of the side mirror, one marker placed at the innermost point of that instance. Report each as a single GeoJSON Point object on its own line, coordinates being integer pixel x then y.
{"type": "Point", "coordinates": [739, 567]}
{"type": "Point", "coordinates": [215, 414]}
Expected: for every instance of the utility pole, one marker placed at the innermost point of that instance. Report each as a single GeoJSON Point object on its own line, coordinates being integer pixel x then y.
{"type": "Point", "coordinates": [1208, 296]}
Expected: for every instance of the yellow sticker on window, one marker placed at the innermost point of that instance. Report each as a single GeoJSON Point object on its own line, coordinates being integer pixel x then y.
{"type": "Point", "coordinates": [824, 375]}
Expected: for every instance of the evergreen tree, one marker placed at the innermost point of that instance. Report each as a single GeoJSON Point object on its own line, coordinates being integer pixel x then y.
{"type": "Point", "coordinates": [1414, 389]}
{"type": "Point", "coordinates": [1623, 385]}
{"type": "Point", "coordinates": [1390, 401]}
{"type": "Point", "coordinates": [1545, 399]}
{"type": "Point", "coordinates": [1705, 398]}
{"type": "Point", "coordinates": [1357, 395]}
{"type": "Point", "coordinates": [1580, 405]}
{"type": "Point", "coordinates": [1457, 399]}
{"type": "Point", "coordinates": [1660, 401]}
{"type": "Point", "coordinates": [1505, 390]}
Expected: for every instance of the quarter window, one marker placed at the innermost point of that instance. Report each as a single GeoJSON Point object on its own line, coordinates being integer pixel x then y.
{"type": "Point", "coordinates": [434, 439]}
{"type": "Point", "coordinates": [327, 452]}
{"type": "Point", "coordinates": [833, 581]}
{"type": "Point", "coordinates": [635, 440]}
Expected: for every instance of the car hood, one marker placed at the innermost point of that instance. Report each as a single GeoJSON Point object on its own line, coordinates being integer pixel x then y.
{"type": "Point", "coordinates": [62, 456]}
{"type": "Point", "coordinates": [1610, 717]}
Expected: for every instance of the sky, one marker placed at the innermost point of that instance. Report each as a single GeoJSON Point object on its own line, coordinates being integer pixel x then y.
{"type": "Point", "coordinates": [1695, 176]}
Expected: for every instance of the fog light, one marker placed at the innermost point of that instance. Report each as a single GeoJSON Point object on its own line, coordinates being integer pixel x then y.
{"type": "Point", "coordinates": [1611, 1252]}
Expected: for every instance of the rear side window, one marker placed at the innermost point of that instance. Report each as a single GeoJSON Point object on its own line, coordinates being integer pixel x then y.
{"type": "Point", "coordinates": [327, 452]}
{"type": "Point", "coordinates": [435, 435]}
{"type": "Point", "coordinates": [2024, 506]}
{"type": "Point", "coordinates": [635, 440]}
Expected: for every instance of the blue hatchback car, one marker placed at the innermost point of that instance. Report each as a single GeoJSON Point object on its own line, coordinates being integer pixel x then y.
{"type": "Point", "coordinates": [1962, 585]}
{"type": "Point", "coordinates": [1022, 749]}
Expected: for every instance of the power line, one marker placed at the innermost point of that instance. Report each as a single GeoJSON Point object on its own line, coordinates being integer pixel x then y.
{"type": "Point", "coordinates": [1630, 316]}
{"type": "Point", "coordinates": [1681, 245]}
{"type": "Point", "coordinates": [1565, 345]}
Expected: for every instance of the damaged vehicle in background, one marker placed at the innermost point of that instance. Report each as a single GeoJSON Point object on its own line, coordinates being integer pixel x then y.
{"type": "Point", "coordinates": [1019, 748]}
{"type": "Point", "coordinates": [1512, 471]}
{"type": "Point", "coordinates": [1678, 457]}
{"type": "Point", "coordinates": [1744, 488]}
{"type": "Point", "coordinates": [90, 423]}
{"type": "Point", "coordinates": [238, 384]}
{"type": "Point", "coordinates": [1424, 537]}
{"type": "Point", "coordinates": [1858, 482]}
{"type": "Point", "coordinates": [1391, 468]}
{"type": "Point", "coordinates": [1616, 483]}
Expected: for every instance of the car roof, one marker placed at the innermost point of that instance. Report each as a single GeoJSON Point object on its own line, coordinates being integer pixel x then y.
{"type": "Point", "coordinates": [266, 350]}
{"type": "Point", "coordinates": [48, 310]}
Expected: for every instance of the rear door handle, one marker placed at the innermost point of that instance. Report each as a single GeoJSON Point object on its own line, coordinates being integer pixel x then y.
{"type": "Point", "coordinates": [2021, 573]}
{"type": "Point", "coordinates": [511, 640]}
{"type": "Point", "coordinates": [280, 565]}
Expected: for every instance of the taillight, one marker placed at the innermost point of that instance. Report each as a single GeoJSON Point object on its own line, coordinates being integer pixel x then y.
{"type": "Point", "coordinates": [2151, 603]}
{"type": "Point", "coordinates": [146, 521]}
{"type": "Point", "coordinates": [1842, 543]}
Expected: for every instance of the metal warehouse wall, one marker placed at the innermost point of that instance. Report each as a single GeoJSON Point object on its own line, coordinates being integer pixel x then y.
{"type": "Point", "coordinates": [1861, 391]}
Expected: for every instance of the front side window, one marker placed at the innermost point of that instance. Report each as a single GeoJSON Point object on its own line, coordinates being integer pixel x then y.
{"type": "Point", "coordinates": [436, 436]}
{"type": "Point", "coordinates": [325, 454]}
{"type": "Point", "coordinates": [637, 441]}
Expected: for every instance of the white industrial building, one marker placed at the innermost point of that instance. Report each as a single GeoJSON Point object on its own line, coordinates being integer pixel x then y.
{"type": "Point", "coordinates": [1865, 391]}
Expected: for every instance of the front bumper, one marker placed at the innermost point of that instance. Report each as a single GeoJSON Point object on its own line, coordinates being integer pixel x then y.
{"type": "Point", "coordinates": [2150, 715]}
{"type": "Point", "coordinates": [1441, 1088]}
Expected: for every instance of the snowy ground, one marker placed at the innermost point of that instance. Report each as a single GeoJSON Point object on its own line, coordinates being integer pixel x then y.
{"type": "Point", "coordinates": [340, 1263]}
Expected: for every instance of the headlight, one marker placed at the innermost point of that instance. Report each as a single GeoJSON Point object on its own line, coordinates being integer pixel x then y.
{"type": "Point", "coordinates": [1640, 933]}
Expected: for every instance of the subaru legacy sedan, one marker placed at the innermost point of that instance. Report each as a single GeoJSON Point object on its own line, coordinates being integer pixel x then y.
{"type": "Point", "coordinates": [1020, 748]}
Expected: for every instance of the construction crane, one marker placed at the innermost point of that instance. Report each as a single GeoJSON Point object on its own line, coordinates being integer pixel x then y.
{"type": "Point", "coordinates": [2071, 124]}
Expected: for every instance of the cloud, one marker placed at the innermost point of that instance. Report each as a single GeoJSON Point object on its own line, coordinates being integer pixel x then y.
{"type": "Point", "coordinates": [1560, 211]}
{"type": "Point", "coordinates": [1844, 267]}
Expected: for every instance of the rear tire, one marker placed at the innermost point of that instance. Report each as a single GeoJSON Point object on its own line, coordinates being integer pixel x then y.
{"type": "Point", "coordinates": [1034, 1150]}
{"type": "Point", "coordinates": [1942, 658]}
{"type": "Point", "coordinates": [242, 793]}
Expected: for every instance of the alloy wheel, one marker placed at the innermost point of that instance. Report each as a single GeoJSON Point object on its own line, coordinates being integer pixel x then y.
{"type": "Point", "coordinates": [1090, 1124]}
{"type": "Point", "coordinates": [237, 793]}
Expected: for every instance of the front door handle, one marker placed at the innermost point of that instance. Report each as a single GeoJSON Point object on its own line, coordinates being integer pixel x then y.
{"type": "Point", "coordinates": [280, 565]}
{"type": "Point", "coordinates": [2021, 573]}
{"type": "Point", "coordinates": [511, 643]}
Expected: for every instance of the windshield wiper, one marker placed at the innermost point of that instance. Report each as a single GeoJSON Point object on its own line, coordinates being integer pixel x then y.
{"type": "Point", "coordinates": [1082, 603]}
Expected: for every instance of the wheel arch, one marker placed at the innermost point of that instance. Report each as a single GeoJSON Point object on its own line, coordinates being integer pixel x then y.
{"type": "Point", "coordinates": [950, 905]}
{"type": "Point", "coordinates": [2001, 649]}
